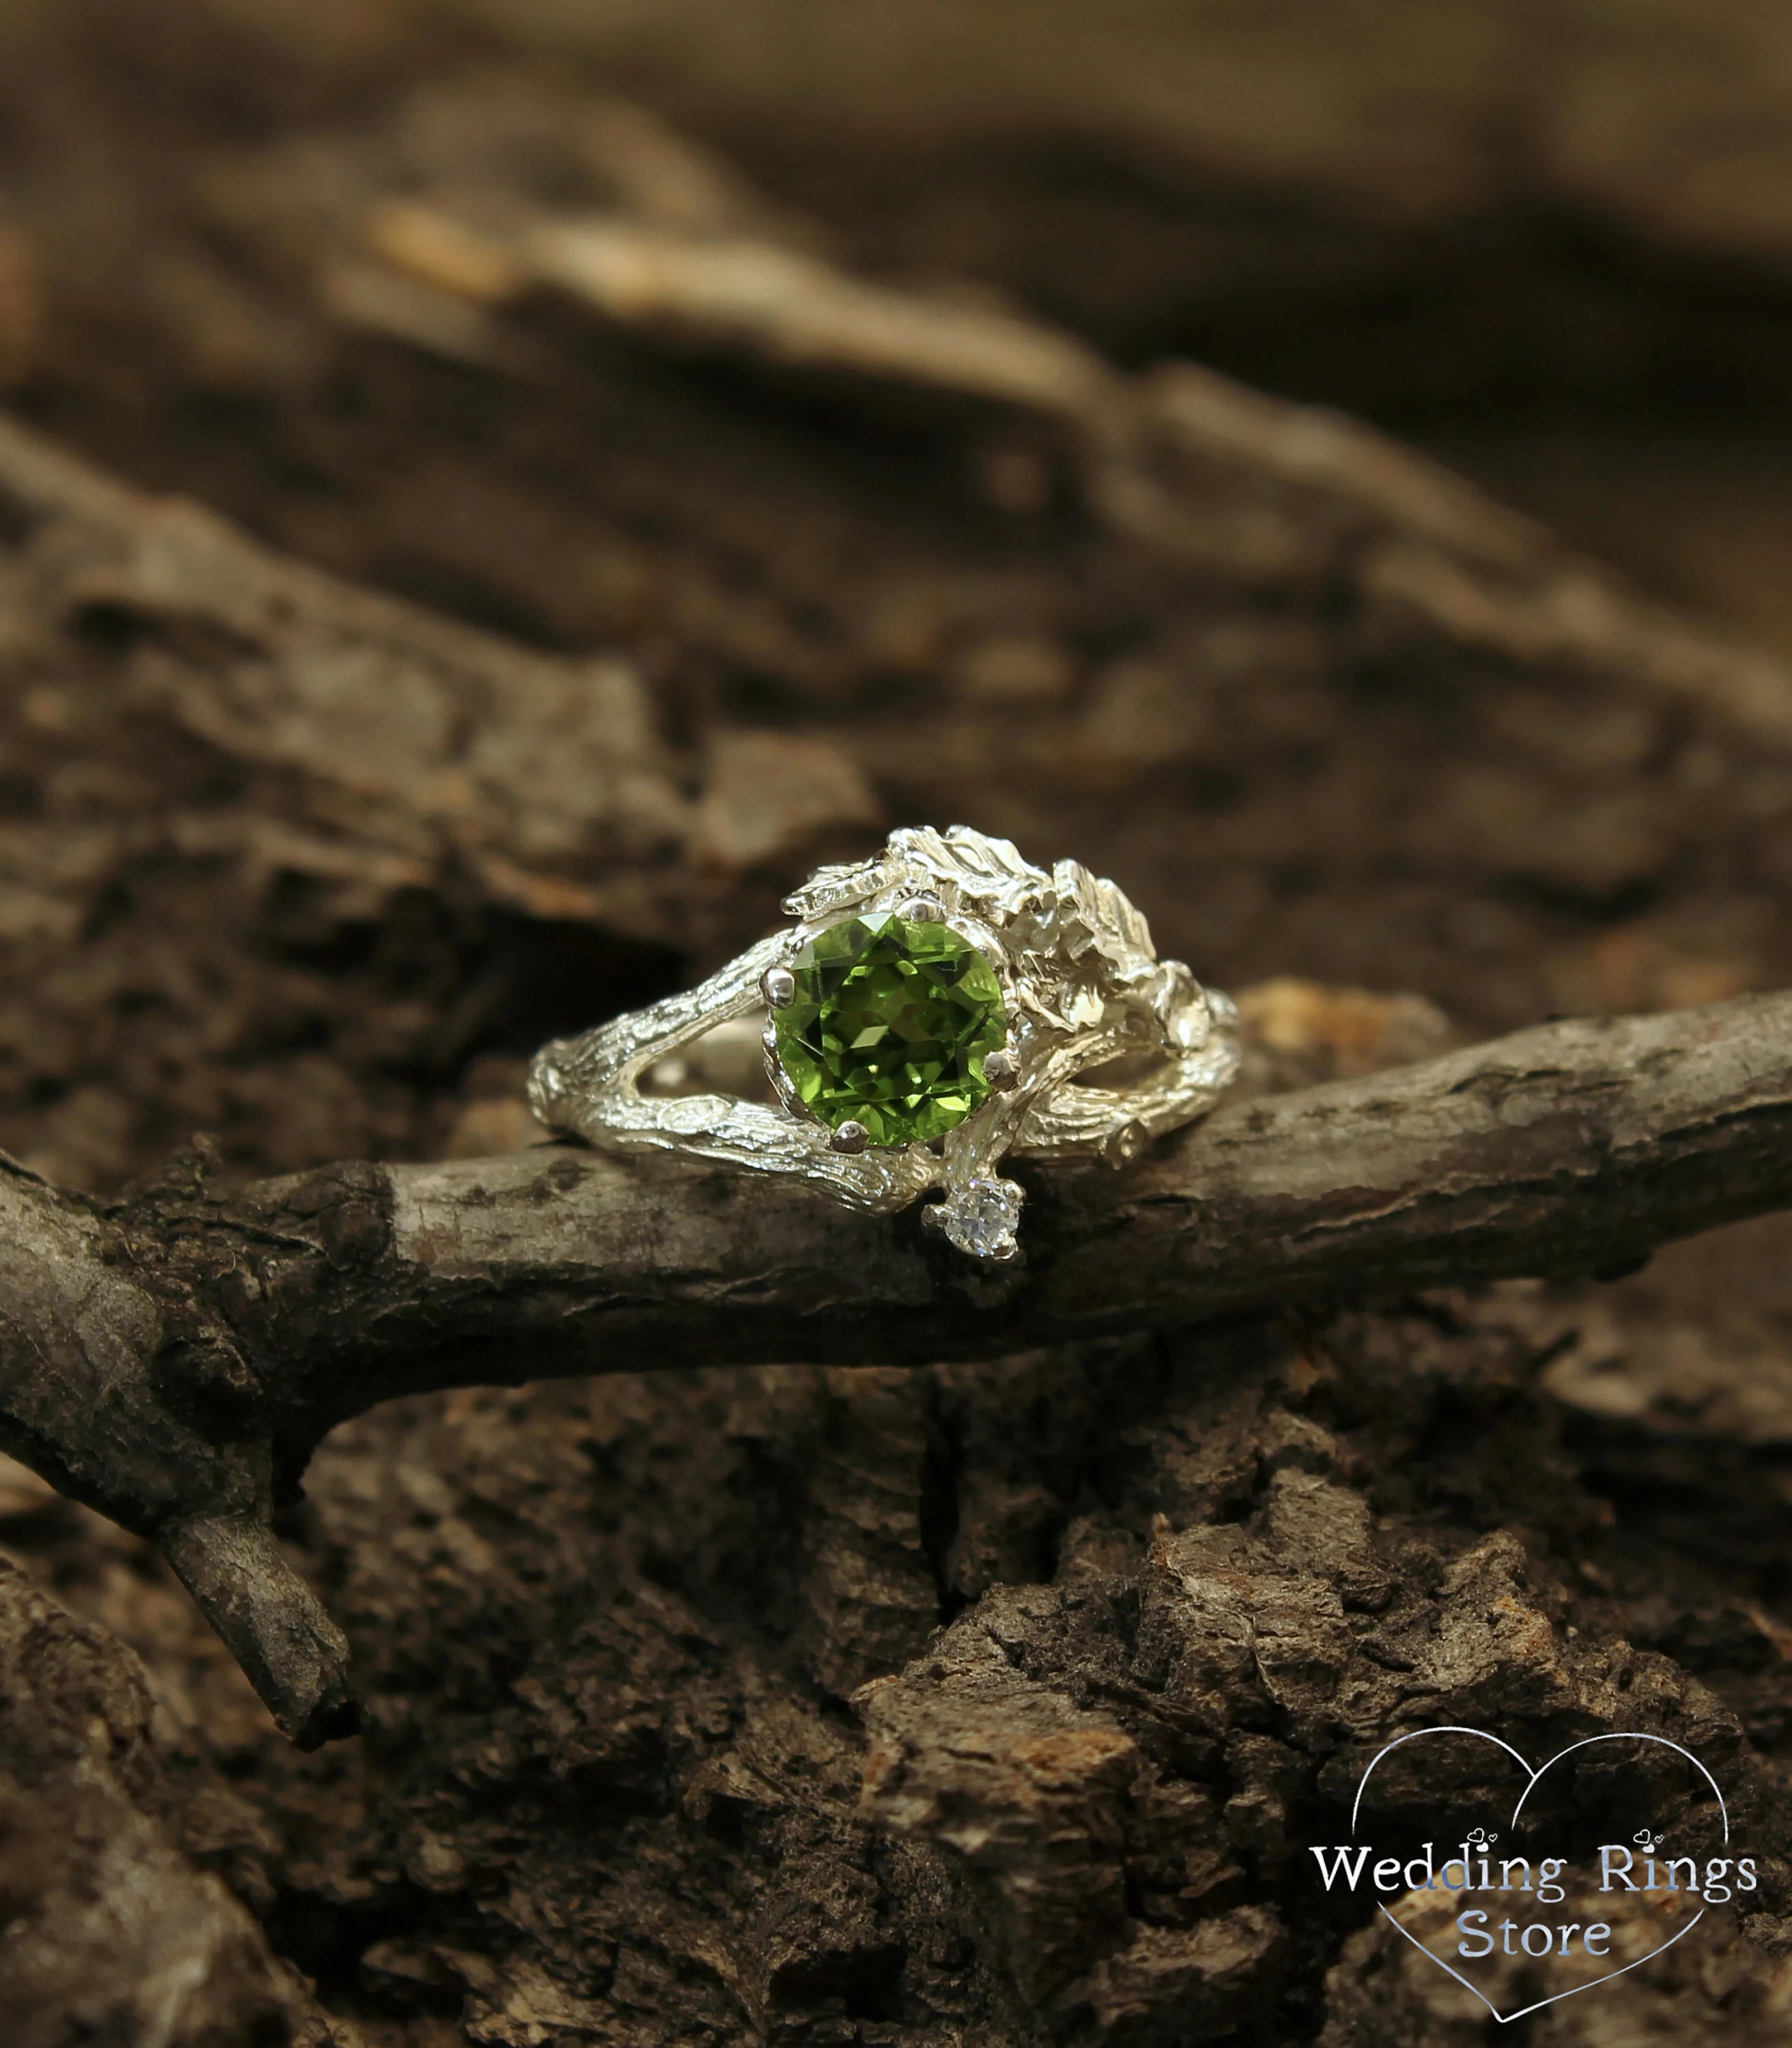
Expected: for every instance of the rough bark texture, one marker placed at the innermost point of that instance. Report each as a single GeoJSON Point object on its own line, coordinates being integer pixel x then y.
{"type": "Point", "coordinates": [175, 1364]}
{"type": "Point", "coordinates": [112, 1934]}
{"type": "Point", "coordinates": [598, 533]}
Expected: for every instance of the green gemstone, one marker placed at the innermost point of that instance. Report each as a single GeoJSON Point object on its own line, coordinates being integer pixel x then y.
{"type": "Point", "coordinates": [890, 1026]}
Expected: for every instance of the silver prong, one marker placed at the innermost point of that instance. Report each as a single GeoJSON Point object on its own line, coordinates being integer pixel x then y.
{"type": "Point", "coordinates": [922, 910]}
{"type": "Point", "coordinates": [852, 1136]}
{"type": "Point", "coordinates": [1123, 1146]}
{"type": "Point", "coordinates": [1001, 1070]}
{"type": "Point", "coordinates": [778, 986]}
{"type": "Point", "coordinates": [933, 1217]}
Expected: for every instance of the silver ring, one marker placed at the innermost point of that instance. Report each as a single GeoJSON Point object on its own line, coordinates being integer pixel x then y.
{"type": "Point", "coordinates": [929, 1013]}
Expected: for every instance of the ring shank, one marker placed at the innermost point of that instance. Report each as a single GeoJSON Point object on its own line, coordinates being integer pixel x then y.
{"type": "Point", "coordinates": [589, 1086]}
{"type": "Point", "coordinates": [1083, 988]}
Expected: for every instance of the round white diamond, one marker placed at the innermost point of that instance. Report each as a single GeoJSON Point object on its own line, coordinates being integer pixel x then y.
{"type": "Point", "coordinates": [983, 1218]}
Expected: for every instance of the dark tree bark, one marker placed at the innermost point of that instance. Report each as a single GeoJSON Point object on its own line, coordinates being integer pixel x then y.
{"type": "Point", "coordinates": [111, 1931]}
{"type": "Point", "coordinates": [175, 1364]}
{"type": "Point", "coordinates": [760, 1628]}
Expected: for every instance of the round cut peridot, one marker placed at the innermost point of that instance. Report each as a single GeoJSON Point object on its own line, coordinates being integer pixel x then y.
{"type": "Point", "coordinates": [889, 1026]}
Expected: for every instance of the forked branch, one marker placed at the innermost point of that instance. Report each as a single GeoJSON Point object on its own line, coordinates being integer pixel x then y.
{"type": "Point", "coordinates": [174, 1362]}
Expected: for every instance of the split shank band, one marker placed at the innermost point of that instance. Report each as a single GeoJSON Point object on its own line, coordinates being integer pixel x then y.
{"type": "Point", "coordinates": [927, 1015]}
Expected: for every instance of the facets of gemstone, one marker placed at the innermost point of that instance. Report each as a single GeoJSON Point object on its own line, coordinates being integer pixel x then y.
{"type": "Point", "coordinates": [983, 1218]}
{"type": "Point", "coordinates": [890, 1025]}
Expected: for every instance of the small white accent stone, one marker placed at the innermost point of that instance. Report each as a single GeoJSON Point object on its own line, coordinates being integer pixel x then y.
{"type": "Point", "coordinates": [982, 1219]}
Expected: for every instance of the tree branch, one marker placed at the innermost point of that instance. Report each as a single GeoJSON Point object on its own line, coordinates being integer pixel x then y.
{"type": "Point", "coordinates": [173, 1362]}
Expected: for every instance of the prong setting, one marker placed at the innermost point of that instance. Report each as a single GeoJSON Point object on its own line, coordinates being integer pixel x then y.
{"type": "Point", "coordinates": [1062, 996]}
{"type": "Point", "coordinates": [923, 909]}
{"type": "Point", "coordinates": [992, 950]}
{"type": "Point", "coordinates": [981, 1217]}
{"type": "Point", "coordinates": [1126, 1144]}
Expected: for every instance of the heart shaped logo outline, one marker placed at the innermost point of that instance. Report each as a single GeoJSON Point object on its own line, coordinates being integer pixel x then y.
{"type": "Point", "coordinates": [1505, 2018]}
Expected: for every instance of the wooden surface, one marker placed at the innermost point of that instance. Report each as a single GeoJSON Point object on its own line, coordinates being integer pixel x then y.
{"type": "Point", "coordinates": [477, 521]}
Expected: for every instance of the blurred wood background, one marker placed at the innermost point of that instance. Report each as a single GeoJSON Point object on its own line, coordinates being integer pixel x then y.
{"type": "Point", "coordinates": [491, 491]}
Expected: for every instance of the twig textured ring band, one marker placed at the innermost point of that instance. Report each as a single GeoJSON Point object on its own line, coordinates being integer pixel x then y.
{"type": "Point", "coordinates": [929, 1013]}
